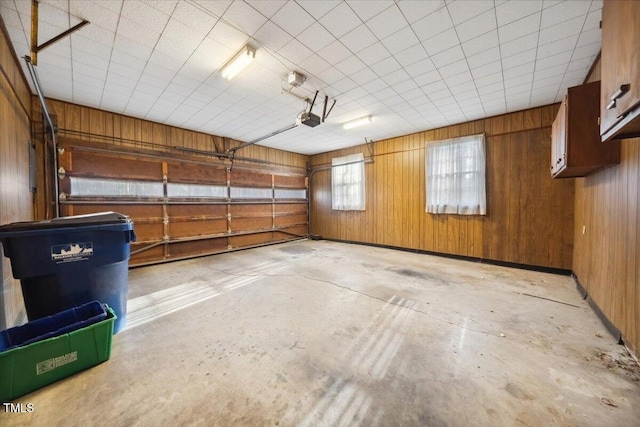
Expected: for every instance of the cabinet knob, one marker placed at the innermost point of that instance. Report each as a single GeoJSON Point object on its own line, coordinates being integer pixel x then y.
{"type": "Point", "coordinates": [617, 95]}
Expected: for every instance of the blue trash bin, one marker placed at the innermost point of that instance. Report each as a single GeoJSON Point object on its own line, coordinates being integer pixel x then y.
{"type": "Point", "coordinates": [66, 262]}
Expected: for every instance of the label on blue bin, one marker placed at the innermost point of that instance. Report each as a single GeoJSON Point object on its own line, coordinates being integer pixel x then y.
{"type": "Point", "coordinates": [71, 252]}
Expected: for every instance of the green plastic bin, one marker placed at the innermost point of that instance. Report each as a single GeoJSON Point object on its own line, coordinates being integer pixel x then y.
{"type": "Point", "coordinates": [28, 368]}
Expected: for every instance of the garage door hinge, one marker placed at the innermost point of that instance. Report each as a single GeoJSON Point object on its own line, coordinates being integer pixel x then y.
{"type": "Point", "coordinates": [62, 196]}
{"type": "Point", "coordinates": [165, 220]}
{"type": "Point", "coordinates": [61, 173]}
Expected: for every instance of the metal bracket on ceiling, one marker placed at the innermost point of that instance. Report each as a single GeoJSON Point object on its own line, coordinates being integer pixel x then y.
{"type": "Point", "coordinates": [35, 47]}
{"type": "Point", "coordinates": [369, 146]}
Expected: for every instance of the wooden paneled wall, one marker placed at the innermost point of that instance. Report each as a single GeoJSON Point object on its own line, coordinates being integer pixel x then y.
{"type": "Point", "coordinates": [606, 259]}
{"type": "Point", "coordinates": [15, 196]}
{"type": "Point", "coordinates": [530, 216]}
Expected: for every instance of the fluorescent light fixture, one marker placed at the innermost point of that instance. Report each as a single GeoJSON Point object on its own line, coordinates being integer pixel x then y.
{"type": "Point", "coordinates": [357, 122]}
{"type": "Point", "coordinates": [239, 62]}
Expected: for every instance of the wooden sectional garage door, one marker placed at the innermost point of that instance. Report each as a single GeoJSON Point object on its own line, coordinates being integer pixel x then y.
{"type": "Point", "coordinates": [181, 206]}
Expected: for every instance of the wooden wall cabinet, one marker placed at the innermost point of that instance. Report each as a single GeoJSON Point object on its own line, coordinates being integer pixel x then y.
{"type": "Point", "coordinates": [576, 148]}
{"type": "Point", "coordinates": [620, 94]}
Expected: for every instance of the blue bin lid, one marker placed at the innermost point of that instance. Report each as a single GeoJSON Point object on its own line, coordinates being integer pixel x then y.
{"type": "Point", "coordinates": [103, 220]}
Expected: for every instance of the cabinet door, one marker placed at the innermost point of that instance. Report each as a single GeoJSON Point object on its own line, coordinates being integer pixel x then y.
{"type": "Point", "coordinates": [620, 60]}
{"type": "Point", "coordinates": [559, 139]}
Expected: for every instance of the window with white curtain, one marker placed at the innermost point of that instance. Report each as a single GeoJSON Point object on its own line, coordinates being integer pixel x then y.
{"type": "Point", "coordinates": [347, 183]}
{"type": "Point", "coordinates": [455, 172]}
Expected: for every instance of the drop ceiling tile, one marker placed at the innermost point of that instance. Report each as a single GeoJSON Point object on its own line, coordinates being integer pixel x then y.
{"type": "Point", "coordinates": [400, 40]}
{"type": "Point", "coordinates": [575, 77]}
{"type": "Point", "coordinates": [272, 36]}
{"type": "Point", "coordinates": [561, 31]}
{"type": "Point", "coordinates": [350, 65]}
{"type": "Point", "coordinates": [179, 41]}
{"type": "Point", "coordinates": [292, 18]}
{"type": "Point", "coordinates": [459, 82]}
{"type": "Point", "coordinates": [316, 37]}
{"type": "Point", "coordinates": [367, 9]}
{"type": "Point", "coordinates": [462, 11]}
{"type": "Point", "coordinates": [550, 72]}
{"type": "Point", "coordinates": [374, 86]}
{"type": "Point", "coordinates": [152, 85]}
{"type": "Point", "coordinates": [132, 30]}
{"type": "Point", "coordinates": [194, 17]}
{"type": "Point", "coordinates": [586, 51]}
{"type": "Point", "coordinates": [434, 87]}
{"type": "Point", "coordinates": [518, 81]}
{"type": "Point", "coordinates": [553, 61]}
{"type": "Point", "coordinates": [340, 20]}
{"type": "Point", "coordinates": [477, 26]}
{"type": "Point", "coordinates": [520, 28]}
{"type": "Point", "coordinates": [295, 52]}
{"type": "Point", "coordinates": [413, 94]}
{"type": "Point", "coordinates": [144, 15]}
{"type": "Point", "coordinates": [441, 42]}
{"type": "Point", "coordinates": [386, 66]}
{"type": "Point", "coordinates": [416, 10]}
{"type": "Point", "coordinates": [485, 57]}
{"type": "Point", "coordinates": [481, 43]}
{"type": "Point", "coordinates": [96, 69]}
{"type": "Point", "coordinates": [364, 76]}
{"type": "Point", "coordinates": [215, 8]}
{"type": "Point", "coordinates": [448, 56]}
{"type": "Point", "coordinates": [454, 68]}
{"type": "Point", "coordinates": [514, 10]}
{"type": "Point", "coordinates": [164, 6]}
{"type": "Point", "coordinates": [548, 82]}
{"type": "Point", "coordinates": [373, 54]}
{"type": "Point", "coordinates": [314, 64]}
{"type": "Point", "coordinates": [488, 80]}
{"type": "Point", "coordinates": [228, 36]}
{"type": "Point", "coordinates": [344, 85]}
{"type": "Point", "coordinates": [244, 17]}
{"type": "Point", "coordinates": [563, 11]}
{"type": "Point", "coordinates": [207, 58]}
{"type": "Point", "coordinates": [492, 91]}
{"type": "Point", "coordinates": [519, 59]}
{"type": "Point", "coordinates": [358, 39]}
{"type": "Point", "coordinates": [318, 8]}
{"type": "Point", "coordinates": [267, 7]}
{"type": "Point", "coordinates": [433, 24]}
{"type": "Point", "coordinates": [395, 77]}
{"type": "Point", "coordinates": [387, 23]}
{"type": "Point", "coordinates": [126, 60]}
{"type": "Point", "coordinates": [428, 78]}
{"type": "Point", "coordinates": [165, 60]}
{"type": "Point", "coordinates": [519, 71]}
{"type": "Point", "coordinates": [85, 48]}
{"type": "Point", "coordinates": [420, 67]}
{"type": "Point", "coordinates": [589, 37]}
{"type": "Point", "coordinates": [565, 46]}
{"type": "Point", "coordinates": [580, 64]}
{"type": "Point", "coordinates": [485, 70]}
{"type": "Point", "coordinates": [330, 75]}
{"type": "Point", "coordinates": [94, 12]}
{"type": "Point", "coordinates": [596, 5]}
{"type": "Point", "coordinates": [335, 52]}
{"type": "Point", "coordinates": [519, 45]}
{"type": "Point", "coordinates": [411, 55]}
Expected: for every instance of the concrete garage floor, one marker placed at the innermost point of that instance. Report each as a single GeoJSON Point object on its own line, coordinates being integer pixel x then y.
{"type": "Point", "coordinates": [323, 333]}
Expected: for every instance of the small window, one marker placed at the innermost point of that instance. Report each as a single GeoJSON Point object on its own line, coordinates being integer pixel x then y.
{"type": "Point", "coordinates": [96, 187]}
{"type": "Point", "coordinates": [175, 189]}
{"type": "Point", "coordinates": [347, 183]}
{"type": "Point", "coordinates": [251, 193]}
{"type": "Point", "coordinates": [455, 172]}
{"type": "Point", "coordinates": [284, 193]}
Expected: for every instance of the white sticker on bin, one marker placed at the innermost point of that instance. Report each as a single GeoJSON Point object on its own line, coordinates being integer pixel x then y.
{"type": "Point", "coordinates": [71, 252]}
{"type": "Point", "coordinates": [56, 362]}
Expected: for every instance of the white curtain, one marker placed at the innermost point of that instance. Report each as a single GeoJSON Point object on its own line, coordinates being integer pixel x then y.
{"type": "Point", "coordinates": [347, 183]}
{"type": "Point", "coordinates": [455, 172]}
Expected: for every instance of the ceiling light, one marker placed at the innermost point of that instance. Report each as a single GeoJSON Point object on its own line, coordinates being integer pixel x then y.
{"type": "Point", "coordinates": [239, 62]}
{"type": "Point", "coordinates": [357, 122]}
